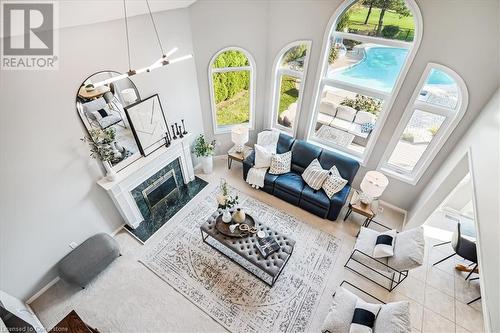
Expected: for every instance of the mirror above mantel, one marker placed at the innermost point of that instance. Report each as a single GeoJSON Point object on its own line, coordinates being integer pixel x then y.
{"type": "Point", "coordinates": [102, 110]}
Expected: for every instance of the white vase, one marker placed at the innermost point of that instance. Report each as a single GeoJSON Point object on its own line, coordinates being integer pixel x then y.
{"type": "Point", "coordinates": [226, 216]}
{"type": "Point", "coordinates": [207, 163]}
{"type": "Point", "coordinates": [110, 173]}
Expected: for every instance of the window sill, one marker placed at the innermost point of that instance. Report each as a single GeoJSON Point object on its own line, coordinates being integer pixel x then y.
{"type": "Point", "coordinates": [404, 178]}
{"type": "Point", "coordinates": [227, 128]}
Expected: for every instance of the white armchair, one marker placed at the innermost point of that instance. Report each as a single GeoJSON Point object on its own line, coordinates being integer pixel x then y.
{"type": "Point", "coordinates": [392, 317]}
{"type": "Point", "coordinates": [389, 272]}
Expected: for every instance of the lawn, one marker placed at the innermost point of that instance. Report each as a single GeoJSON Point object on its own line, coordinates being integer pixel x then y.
{"type": "Point", "coordinates": [289, 93]}
{"type": "Point", "coordinates": [235, 110]}
{"type": "Point", "coordinates": [357, 19]}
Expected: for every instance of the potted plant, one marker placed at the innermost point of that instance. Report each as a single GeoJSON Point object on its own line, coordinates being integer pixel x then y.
{"type": "Point", "coordinates": [226, 201]}
{"type": "Point", "coordinates": [204, 150]}
{"type": "Point", "coordinates": [101, 144]}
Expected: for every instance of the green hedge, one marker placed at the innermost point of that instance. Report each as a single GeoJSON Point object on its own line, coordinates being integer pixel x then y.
{"type": "Point", "coordinates": [228, 84]}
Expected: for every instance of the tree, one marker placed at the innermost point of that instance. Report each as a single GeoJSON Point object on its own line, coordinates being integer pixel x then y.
{"type": "Point", "coordinates": [368, 3]}
{"type": "Point", "coordinates": [399, 6]}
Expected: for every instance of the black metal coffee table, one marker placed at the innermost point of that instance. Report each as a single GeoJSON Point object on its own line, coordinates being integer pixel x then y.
{"type": "Point", "coordinates": [266, 269]}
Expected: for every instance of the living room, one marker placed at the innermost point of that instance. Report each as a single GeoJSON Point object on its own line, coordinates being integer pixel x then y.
{"type": "Point", "coordinates": [271, 166]}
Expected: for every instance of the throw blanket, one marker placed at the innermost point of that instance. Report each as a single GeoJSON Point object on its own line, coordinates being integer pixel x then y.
{"type": "Point", "coordinates": [268, 140]}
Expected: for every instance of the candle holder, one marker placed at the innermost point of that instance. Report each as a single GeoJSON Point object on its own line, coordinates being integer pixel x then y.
{"type": "Point", "coordinates": [181, 135]}
{"type": "Point", "coordinates": [184, 127]}
{"type": "Point", "coordinates": [173, 131]}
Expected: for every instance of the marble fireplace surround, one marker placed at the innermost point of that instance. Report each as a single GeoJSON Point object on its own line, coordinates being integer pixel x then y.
{"type": "Point", "coordinates": [133, 175]}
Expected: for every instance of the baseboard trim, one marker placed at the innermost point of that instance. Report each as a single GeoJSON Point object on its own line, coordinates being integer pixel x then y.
{"type": "Point", "coordinates": [397, 209]}
{"type": "Point", "coordinates": [41, 291]}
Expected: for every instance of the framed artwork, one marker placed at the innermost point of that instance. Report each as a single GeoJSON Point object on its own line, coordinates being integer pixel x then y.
{"type": "Point", "coordinates": [148, 124]}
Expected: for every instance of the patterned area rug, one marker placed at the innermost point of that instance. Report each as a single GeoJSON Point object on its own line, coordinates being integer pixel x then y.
{"type": "Point", "coordinates": [231, 295]}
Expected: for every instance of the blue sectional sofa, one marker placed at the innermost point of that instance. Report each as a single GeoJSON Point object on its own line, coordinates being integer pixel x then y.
{"type": "Point", "coordinates": [292, 188]}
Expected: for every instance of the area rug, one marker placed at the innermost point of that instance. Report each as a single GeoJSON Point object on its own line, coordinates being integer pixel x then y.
{"type": "Point", "coordinates": [231, 295]}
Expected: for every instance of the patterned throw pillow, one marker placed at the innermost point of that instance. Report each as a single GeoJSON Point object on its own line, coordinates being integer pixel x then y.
{"type": "Point", "coordinates": [281, 163]}
{"type": "Point", "coordinates": [334, 182]}
{"type": "Point", "coordinates": [314, 175]}
{"type": "Point", "coordinates": [367, 127]}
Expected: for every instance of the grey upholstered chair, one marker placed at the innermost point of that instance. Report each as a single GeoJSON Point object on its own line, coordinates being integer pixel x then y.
{"type": "Point", "coordinates": [464, 247]}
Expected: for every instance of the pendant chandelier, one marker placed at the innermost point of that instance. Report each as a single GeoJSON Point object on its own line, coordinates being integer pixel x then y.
{"type": "Point", "coordinates": [162, 61]}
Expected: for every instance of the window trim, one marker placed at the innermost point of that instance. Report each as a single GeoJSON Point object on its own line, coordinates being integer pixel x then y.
{"type": "Point", "coordinates": [452, 118]}
{"type": "Point", "coordinates": [211, 71]}
{"type": "Point", "coordinates": [388, 103]}
{"type": "Point", "coordinates": [276, 86]}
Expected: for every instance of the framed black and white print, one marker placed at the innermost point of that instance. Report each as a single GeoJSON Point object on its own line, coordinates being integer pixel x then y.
{"type": "Point", "coordinates": [148, 123]}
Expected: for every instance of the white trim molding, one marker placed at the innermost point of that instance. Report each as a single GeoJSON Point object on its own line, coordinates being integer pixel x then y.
{"type": "Point", "coordinates": [277, 74]}
{"type": "Point", "coordinates": [388, 98]}
{"type": "Point", "coordinates": [120, 189]}
{"type": "Point", "coordinates": [251, 68]}
{"type": "Point", "coordinates": [452, 117]}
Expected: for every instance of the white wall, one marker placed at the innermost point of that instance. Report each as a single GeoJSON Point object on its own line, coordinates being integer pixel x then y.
{"type": "Point", "coordinates": [482, 141]}
{"type": "Point", "coordinates": [49, 196]}
{"type": "Point", "coordinates": [454, 31]}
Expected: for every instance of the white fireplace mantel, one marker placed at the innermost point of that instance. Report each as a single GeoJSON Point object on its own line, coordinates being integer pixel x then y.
{"type": "Point", "coordinates": [133, 175]}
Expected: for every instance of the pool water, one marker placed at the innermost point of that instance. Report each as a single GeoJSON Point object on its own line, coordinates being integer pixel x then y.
{"type": "Point", "coordinates": [378, 70]}
{"type": "Point", "coordinates": [438, 77]}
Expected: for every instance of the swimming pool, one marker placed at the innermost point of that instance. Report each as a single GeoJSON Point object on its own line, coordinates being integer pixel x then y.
{"type": "Point", "coordinates": [379, 69]}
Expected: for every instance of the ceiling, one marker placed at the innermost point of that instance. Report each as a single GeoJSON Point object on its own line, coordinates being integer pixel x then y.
{"type": "Point", "coordinates": [81, 12]}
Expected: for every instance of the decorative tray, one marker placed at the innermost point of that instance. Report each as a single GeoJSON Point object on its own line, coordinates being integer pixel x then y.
{"type": "Point", "coordinates": [223, 227]}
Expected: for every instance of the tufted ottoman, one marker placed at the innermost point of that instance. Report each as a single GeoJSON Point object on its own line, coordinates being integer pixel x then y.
{"type": "Point", "coordinates": [266, 269]}
{"type": "Point", "coordinates": [88, 259]}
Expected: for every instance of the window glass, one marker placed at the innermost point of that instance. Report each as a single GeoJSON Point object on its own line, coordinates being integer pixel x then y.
{"type": "Point", "coordinates": [294, 58]}
{"type": "Point", "coordinates": [416, 138]}
{"type": "Point", "coordinates": [231, 58]}
{"type": "Point", "coordinates": [439, 89]}
{"type": "Point", "coordinates": [346, 118]}
{"type": "Point", "coordinates": [288, 98]}
{"type": "Point", "coordinates": [390, 19]}
{"type": "Point", "coordinates": [232, 97]}
{"type": "Point", "coordinates": [365, 64]}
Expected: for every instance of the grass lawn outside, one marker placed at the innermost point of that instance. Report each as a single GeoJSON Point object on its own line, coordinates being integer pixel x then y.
{"type": "Point", "coordinates": [288, 92]}
{"type": "Point", "coordinates": [357, 20]}
{"type": "Point", "coordinates": [235, 110]}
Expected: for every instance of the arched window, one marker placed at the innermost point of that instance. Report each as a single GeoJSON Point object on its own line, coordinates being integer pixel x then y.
{"type": "Point", "coordinates": [231, 74]}
{"type": "Point", "coordinates": [289, 70]}
{"type": "Point", "coordinates": [369, 46]}
{"type": "Point", "coordinates": [436, 107]}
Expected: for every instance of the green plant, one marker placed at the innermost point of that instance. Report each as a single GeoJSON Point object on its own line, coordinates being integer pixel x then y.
{"type": "Point", "coordinates": [344, 21]}
{"type": "Point", "coordinates": [294, 53]}
{"type": "Point", "coordinates": [224, 199]}
{"type": "Point", "coordinates": [202, 147]}
{"type": "Point", "coordinates": [390, 31]}
{"type": "Point", "coordinates": [408, 136]}
{"type": "Point", "coordinates": [363, 103]}
{"type": "Point", "coordinates": [433, 129]}
{"type": "Point", "coordinates": [229, 84]}
{"type": "Point", "coordinates": [99, 141]}
{"type": "Point", "coordinates": [333, 55]}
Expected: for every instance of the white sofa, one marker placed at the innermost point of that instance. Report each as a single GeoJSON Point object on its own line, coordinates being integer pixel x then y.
{"type": "Point", "coordinates": [344, 118]}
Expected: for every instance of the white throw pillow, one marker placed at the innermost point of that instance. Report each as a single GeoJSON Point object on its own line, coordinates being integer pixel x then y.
{"type": "Point", "coordinates": [314, 175]}
{"type": "Point", "coordinates": [262, 157]}
{"type": "Point", "coordinates": [281, 163]}
{"type": "Point", "coordinates": [334, 182]}
{"type": "Point", "coordinates": [384, 245]}
{"type": "Point", "coordinates": [364, 317]}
